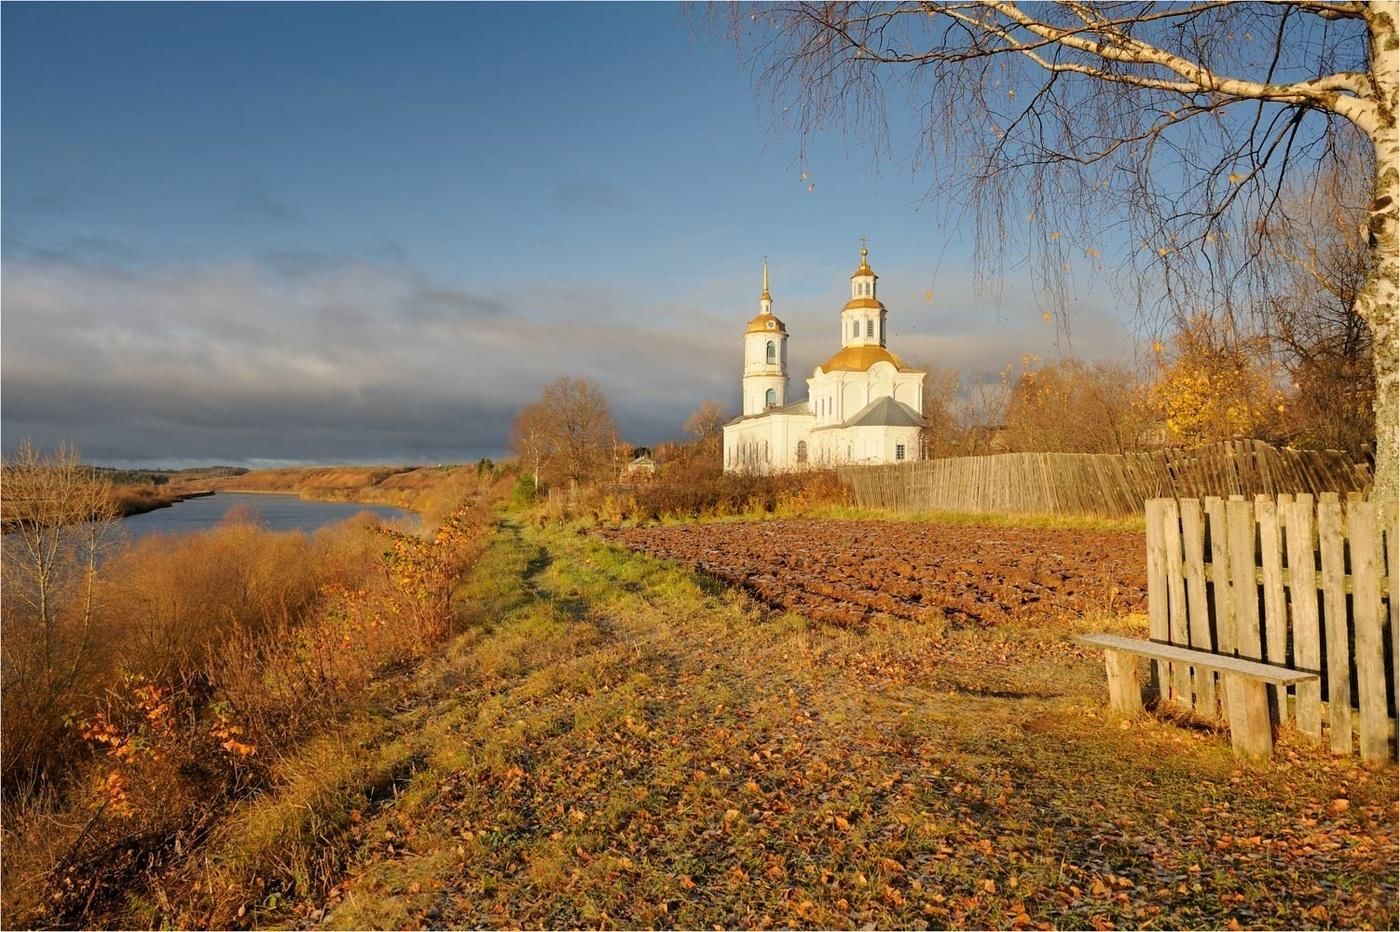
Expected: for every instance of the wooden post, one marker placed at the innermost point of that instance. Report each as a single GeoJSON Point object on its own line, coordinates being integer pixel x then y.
{"type": "Point", "coordinates": [1222, 600]}
{"type": "Point", "coordinates": [1124, 690]}
{"type": "Point", "coordinates": [1334, 621]}
{"type": "Point", "coordinates": [1176, 599]}
{"type": "Point", "coordinates": [1366, 609]}
{"type": "Point", "coordinates": [1158, 625]}
{"type": "Point", "coordinates": [1275, 607]}
{"type": "Point", "coordinates": [1193, 541]}
{"type": "Point", "coordinates": [1251, 728]}
{"type": "Point", "coordinates": [1302, 596]}
{"type": "Point", "coordinates": [1244, 588]}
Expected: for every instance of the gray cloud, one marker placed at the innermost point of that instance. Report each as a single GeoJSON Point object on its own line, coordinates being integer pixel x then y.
{"type": "Point", "coordinates": [311, 357]}
{"type": "Point", "coordinates": [305, 356]}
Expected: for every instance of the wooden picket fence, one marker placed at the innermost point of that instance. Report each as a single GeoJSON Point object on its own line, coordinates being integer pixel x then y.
{"type": "Point", "coordinates": [1100, 483]}
{"type": "Point", "coordinates": [1301, 583]}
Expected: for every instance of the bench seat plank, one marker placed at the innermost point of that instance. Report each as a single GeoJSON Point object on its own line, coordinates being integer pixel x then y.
{"type": "Point", "coordinates": [1224, 663]}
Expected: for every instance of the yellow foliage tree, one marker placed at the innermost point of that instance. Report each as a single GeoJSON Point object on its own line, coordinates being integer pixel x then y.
{"type": "Point", "coordinates": [1214, 388]}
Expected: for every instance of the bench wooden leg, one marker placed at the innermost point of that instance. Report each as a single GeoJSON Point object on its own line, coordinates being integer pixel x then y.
{"type": "Point", "coordinates": [1251, 727]}
{"type": "Point", "coordinates": [1124, 691]}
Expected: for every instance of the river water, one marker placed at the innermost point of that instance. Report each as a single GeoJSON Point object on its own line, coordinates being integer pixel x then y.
{"type": "Point", "coordinates": [274, 511]}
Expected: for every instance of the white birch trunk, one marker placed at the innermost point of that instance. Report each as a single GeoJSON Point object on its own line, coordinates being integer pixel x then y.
{"type": "Point", "coordinates": [1379, 301]}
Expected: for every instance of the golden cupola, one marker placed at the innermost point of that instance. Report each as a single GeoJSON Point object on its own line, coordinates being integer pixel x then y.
{"type": "Point", "coordinates": [863, 317]}
{"type": "Point", "coordinates": [765, 321]}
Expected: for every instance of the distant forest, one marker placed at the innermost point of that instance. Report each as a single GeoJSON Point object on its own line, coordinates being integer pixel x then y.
{"type": "Point", "coordinates": [163, 476]}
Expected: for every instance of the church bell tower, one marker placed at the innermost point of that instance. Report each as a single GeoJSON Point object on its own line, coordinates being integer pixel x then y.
{"type": "Point", "coordinates": [863, 317]}
{"type": "Point", "coordinates": [765, 357]}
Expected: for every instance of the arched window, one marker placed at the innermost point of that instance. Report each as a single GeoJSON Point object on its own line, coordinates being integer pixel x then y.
{"type": "Point", "coordinates": [855, 328]}
{"type": "Point", "coordinates": [801, 451]}
{"type": "Point", "coordinates": [772, 352]}
{"type": "Point", "coordinates": [771, 398]}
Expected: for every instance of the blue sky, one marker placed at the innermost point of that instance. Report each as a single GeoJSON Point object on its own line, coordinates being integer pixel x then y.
{"type": "Point", "coordinates": [318, 232]}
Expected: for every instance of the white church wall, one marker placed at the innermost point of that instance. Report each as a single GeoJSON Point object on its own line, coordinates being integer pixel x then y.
{"type": "Point", "coordinates": [766, 444]}
{"type": "Point", "coordinates": [853, 398]}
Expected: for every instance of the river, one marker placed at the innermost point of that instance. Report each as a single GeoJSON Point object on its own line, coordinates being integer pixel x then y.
{"type": "Point", "coordinates": [276, 511]}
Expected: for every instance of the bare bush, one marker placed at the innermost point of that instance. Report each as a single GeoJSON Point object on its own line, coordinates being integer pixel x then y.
{"type": "Point", "coordinates": [57, 516]}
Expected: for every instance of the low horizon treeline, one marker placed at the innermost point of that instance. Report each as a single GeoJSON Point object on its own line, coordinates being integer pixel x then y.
{"type": "Point", "coordinates": [148, 687]}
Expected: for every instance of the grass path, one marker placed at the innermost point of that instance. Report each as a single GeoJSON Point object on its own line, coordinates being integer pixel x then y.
{"type": "Point", "coordinates": [618, 742]}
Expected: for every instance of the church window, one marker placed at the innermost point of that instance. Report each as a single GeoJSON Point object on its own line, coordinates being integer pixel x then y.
{"type": "Point", "coordinates": [855, 328]}
{"type": "Point", "coordinates": [772, 352]}
{"type": "Point", "coordinates": [801, 451]}
{"type": "Point", "coordinates": [771, 398]}
{"type": "Point", "coordinates": [899, 452]}
{"type": "Point", "coordinates": [869, 328]}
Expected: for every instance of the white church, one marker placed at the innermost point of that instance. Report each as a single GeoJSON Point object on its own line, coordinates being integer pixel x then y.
{"type": "Point", "coordinates": [863, 405]}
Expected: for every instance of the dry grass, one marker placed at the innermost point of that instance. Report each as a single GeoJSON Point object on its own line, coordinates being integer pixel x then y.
{"type": "Point", "coordinates": [615, 741]}
{"type": "Point", "coordinates": [223, 652]}
{"type": "Point", "coordinates": [618, 742]}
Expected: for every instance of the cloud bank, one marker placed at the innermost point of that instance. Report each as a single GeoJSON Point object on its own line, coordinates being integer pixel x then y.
{"type": "Point", "coordinates": [302, 357]}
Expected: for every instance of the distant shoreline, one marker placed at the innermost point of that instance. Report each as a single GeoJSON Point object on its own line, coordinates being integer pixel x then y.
{"type": "Point", "coordinates": [127, 507]}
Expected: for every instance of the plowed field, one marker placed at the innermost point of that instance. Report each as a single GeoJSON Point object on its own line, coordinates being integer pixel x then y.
{"type": "Point", "coordinates": [845, 572]}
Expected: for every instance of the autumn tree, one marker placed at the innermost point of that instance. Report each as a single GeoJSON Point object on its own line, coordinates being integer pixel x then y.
{"type": "Point", "coordinates": [1316, 267]}
{"type": "Point", "coordinates": [705, 427]}
{"type": "Point", "coordinates": [982, 404]}
{"type": "Point", "coordinates": [568, 435]}
{"type": "Point", "coordinates": [706, 422]}
{"type": "Point", "coordinates": [1172, 127]}
{"type": "Point", "coordinates": [1074, 407]}
{"type": "Point", "coordinates": [58, 516]}
{"type": "Point", "coordinates": [1215, 386]}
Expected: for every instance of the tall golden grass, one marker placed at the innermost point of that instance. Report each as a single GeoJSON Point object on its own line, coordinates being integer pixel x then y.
{"type": "Point", "coordinates": [216, 654]}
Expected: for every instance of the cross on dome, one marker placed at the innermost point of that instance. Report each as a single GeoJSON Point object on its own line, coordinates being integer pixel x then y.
{"type": "Point", "coordinates": [864, 268]}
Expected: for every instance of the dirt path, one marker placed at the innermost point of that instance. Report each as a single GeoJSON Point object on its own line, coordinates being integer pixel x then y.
{"type": "Point", "coordinates": [845, 572]}
{"type": "Point", "coordinates": [623, 743]}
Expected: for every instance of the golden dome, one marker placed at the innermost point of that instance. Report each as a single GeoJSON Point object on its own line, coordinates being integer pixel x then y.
{"type": "Point", "coordinates": [858, 304]}
{"type": "Point", "coordinates": [861, 358]}
{"type": "Point", "coordinates": [766, 323]}
{"type": "Point", "coordinates": [864, 267]}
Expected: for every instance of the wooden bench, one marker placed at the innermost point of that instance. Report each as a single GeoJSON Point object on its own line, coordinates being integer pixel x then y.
{"type": "Point", "coordinates": [1246, 682]}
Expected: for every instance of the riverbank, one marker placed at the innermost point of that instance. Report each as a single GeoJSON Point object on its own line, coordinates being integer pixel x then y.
{"type": "Point", "coordinates": [128, 501]}
{"type": "Point", "coordinates": [429, 491]}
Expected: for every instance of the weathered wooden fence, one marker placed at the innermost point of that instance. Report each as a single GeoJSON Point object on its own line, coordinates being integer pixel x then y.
{"type": "Point", "coordinates": [1301, 583]}
{"type": "Point", "coordinates": [1100, 483]}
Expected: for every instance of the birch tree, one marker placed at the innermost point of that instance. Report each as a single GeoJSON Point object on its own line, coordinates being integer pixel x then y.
{"type": "Point", "coordinates": [1163, 132]}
